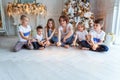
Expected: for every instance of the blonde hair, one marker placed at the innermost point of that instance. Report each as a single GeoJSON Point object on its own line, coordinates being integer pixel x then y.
{"type": "Point", "coordinates": [82, 25]}
{"type": "Point", "coordinates": [23, 17]}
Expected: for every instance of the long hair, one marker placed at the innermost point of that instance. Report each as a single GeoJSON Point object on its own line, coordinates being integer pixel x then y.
{"type": "Point", "coordinates": [53, 23]}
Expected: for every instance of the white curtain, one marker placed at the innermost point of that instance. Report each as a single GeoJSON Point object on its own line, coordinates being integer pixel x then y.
{"type": "Point", "coordinates": [116, 22]}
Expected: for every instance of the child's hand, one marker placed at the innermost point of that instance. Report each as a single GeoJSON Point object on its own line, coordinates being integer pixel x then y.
{"type": "Point", "coordinates": [29, 42]}
{"type": "Point", "coordinates": [38, 40]}
{"type": "Point", "coordinates": [64, 40]}
{"type": "Point", "coordinates": [42, 43]}
{"type": "Point", "coordinates": [95, 47]}
{"type": "Point", "coordinates": [46, 39]}
{"type": "Point", "coordinates": [74, 43]}
{"type": "Point", "coordinates": [33, 40]}
{"type": "Point", "coordinates": [58, 44]}
{"type": "Point", "coordinates": [47, 43]}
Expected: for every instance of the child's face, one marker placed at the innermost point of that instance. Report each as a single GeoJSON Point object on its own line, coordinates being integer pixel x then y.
{"type": "Point", "coordinates": [50, 24]}
{"type": "Point", "coordinates": [25, 21]}
{"type": "Point", "coordinates": [80, 27]}
{"type": "Point", "coordinates": [63, 22]}
{"type": "Point", "coordinates": [97, 27]}
{"type": "Point", "coordinates": [39, 31]}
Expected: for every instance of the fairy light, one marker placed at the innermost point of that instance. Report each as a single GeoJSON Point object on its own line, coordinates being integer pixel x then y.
{"type": "Point", "coordinates": [26, 8]}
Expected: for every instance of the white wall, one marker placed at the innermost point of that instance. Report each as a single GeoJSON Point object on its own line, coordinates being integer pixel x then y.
{"type": "Point", "coordinates": [101, 8]}
{"type": "Point", "coordinates": [8, 21]}
{"type": "Point", "coordinates": [109, 10]}
{"type": "Point", "coordinates": [105, 9]}
{"type": "Point", "coordinates": [54, 9]}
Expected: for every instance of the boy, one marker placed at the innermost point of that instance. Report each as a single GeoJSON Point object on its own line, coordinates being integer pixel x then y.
{"type": "Point", "coordinates": [97, 37]}
{"type": "Point", "coordinates": [24, 33]}
{"type": "Point", "coordinates": [38, 41]}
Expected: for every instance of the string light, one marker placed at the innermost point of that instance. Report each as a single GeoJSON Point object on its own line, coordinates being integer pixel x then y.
{"type": "Point", "coordinates": [26, 8]}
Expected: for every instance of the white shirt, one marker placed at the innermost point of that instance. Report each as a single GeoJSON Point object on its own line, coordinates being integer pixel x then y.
{"type": "Point", "coordinates": [39, 37]}
{"type": "Point", "coordinates": [26, 32]}
{"type": "Point", "coordinates": [81, 35]}
{"type": "Point", "coordinates": [97, 37]}
{"type": "Point", "coordinates": [68, 29]}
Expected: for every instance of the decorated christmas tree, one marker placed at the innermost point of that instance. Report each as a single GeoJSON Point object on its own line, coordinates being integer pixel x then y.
{"type": "Point", "coordinates": [78, 11]}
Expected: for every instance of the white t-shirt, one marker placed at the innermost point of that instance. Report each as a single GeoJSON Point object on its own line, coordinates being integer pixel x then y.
{"type": "Point", "coordinates": [68, 29]}
{"type": "Point", "coordinates": [97, 37]}
{"type": "Point", "coordinates": [39, 37]}
{"type": "Point", "coordinates": [26, 32]}
{"type": "Point", "coordinates": [81, 35]}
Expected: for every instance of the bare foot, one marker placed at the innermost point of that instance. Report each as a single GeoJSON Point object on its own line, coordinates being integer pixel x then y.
{"type": "Point", "coordinates": [94, 47]}
{"type": "Point", "coordinates": [66, 46]}
{"type": "Point", "coordinates": [52, 44]}
{"type": "Point", "coordinates": [74, 46]}
{"type": "Point", "coordinates": [48, 43]}
{"type": "Point", "coordinates": [41, 48]}
{"type": "Point", "coordinates": [58, 44]}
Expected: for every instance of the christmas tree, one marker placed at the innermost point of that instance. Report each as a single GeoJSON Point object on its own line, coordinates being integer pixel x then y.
{"type": "Point", "coordinates": [78, 11]}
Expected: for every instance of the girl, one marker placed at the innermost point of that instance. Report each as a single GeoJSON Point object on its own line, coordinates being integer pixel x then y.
{"type": "Point", "coordinates": [80, 36]}
{"type": "Point", "coordinates": [50, 32]}
{"type": "Point", "coordinates": [65, 33]}
{"type": "Point", "coordinates": [24, 33]}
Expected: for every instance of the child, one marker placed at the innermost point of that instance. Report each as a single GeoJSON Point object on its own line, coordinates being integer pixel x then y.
{"type": "Point", "coordinates": [38, 41]}
{"type": "Point", "coordinates": [50, 32]}
{"type": "Point", "coordinates": [80, 36]}
{"type": "Point", "coordinates": [24, 33]}
{"type": "Point", "coordinates": [65, 33]}
{"type": "Point", "coordinates": [97, 37]}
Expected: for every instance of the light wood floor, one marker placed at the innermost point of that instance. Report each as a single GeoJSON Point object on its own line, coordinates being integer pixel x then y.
{"type": "Point", "coordinates": [59, 64]}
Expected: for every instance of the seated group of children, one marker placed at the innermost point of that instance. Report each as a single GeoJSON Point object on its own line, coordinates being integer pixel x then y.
{"type": "Point", "coordinates": [64, 36]}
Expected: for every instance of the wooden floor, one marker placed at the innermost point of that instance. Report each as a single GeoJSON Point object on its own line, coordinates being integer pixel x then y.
{"type": "Point", "coordinates": [59, 64]}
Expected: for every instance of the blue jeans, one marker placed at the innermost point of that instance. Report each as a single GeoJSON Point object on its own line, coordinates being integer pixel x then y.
{"type": "Point", "coordinates": [84, 43]}
{"type": "Point", "coordinates": [36, 45]}
{"type": "Point", "coordinates": [69, 41]}
{"type": "Point", "coordinates": [101, 48]}
{"type": "Point", "coordinates": [54, 39]}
